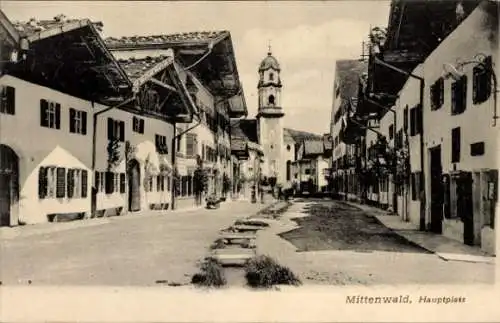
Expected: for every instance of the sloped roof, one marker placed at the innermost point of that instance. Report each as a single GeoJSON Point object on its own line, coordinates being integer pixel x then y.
{"type": "Point", "coordinates": [196, 36]}
{"type": "Point", "coordinates": [246, 130]}
{"type": "Point", "coordinates": [313, 147]}
{"type": "Point", "coordinates": [34, 27]}
{"type": "Point", "coordinates": [347, 77]}
{"type": "Point", "coordinates": [298, 135]}
{"type": "Point", "coordinates": [135, 68]}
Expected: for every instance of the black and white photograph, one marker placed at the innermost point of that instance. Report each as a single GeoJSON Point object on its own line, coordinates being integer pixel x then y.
{"type": "Point", "coordinates": [255, 146]}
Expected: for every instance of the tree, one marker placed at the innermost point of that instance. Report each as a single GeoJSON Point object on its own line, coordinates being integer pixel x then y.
{"type": "Point", "coordinates": [114, 156]}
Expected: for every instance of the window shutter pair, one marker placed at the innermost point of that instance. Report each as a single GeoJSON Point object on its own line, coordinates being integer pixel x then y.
{"type": "Point", "coordinates": [481, 83]}
{"type": "Point", "coordinates": [42, 182]}
{"type": "Point", "coordinates": [8, 100]}
{"type": "Point", "coordinates": [459, 96]}
{"type": "Point", "coordinates": [83, 120]}
{"type": "Point", "coordinates": [61, 182]}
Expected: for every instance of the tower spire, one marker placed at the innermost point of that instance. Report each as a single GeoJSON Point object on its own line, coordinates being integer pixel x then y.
{"type": "Point", "coordinates": [269, 48]}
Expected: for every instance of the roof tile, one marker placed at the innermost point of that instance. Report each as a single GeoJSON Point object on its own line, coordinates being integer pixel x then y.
{"type": "Point", "coordinates": [199, 36]}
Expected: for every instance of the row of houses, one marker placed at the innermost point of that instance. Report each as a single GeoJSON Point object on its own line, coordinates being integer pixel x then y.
{"type": "Point", "coordinates": [415, 121]}
{"type": "Point", "coordinates": [96, 127]}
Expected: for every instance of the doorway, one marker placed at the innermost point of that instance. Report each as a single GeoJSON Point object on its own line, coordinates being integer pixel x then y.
{"type": "Point", "coordinates": [134, 186]}
{"type": "Point", "coordinates": [9, 186]}
{"type": "Point", "coordinates": [465, 207]}
{"type": "Point", "coordinates": [436, 190]}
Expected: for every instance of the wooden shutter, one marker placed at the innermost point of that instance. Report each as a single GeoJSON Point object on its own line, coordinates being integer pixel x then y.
{"type": "Point", "coordinates": [122, 131]}
{"type": "Point", "coordinates": [58, 116]}
{"type": "Point", "coordinates": [70, 183]}
{"type": "Point", "coordinates": [141, 123]}
{"type": "Point", "coordinates": [419, 119]}
{"type": "Point", "coordinates": [455, 145]}
{"type": "Point", "coordinates": [84, 123]}
{"type": "Point", "coordinates": [72, 114]}
{"type": "Point", "coordinates": [44, 105]}
{"type": "Point", "coordinates": [109, 183]}
{"type": "Point", "coordinates": [42, 182]}
{"type": "Point", "coordinates": [122, 183]}
{"type": "Point", "coordinates": [10, 94]}
{"type": "Point", "coordinates": [61, 182]}
{"type": "Point", "coordinates": [111, 126]}
{"type": "Point", "coordinates": [158, 183]}
{"type": "Point", "coordinates": [84, 183]}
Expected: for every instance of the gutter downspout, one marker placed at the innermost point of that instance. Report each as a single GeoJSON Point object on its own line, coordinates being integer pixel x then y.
{"type": "Point", "coordinates": [422, 160]}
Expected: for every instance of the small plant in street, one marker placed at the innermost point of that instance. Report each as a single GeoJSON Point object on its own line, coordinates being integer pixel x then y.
{"type": "Point", "coordinates": [265, 272]}
{"type": "Point", "coordinates": [211, 274]}
{"type": "Point", "coordinates": [218, 244]}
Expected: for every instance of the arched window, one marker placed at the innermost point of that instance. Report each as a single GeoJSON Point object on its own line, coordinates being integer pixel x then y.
{"type": "Point", "coordinates": [271, 76]}
{"type": "Point", "coordinates": [288, 147]}
{"type": "Point", "coordinates": [288, 169]}
{"type": "Point", "coordinates": [271, 99]}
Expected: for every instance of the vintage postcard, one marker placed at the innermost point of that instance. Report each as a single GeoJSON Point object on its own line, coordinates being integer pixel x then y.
{"type": "Point", "coordinates": [249, 160]}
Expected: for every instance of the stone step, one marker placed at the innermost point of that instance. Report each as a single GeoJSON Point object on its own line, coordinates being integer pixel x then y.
{"type": "Point", "coordinates": [233, 256]}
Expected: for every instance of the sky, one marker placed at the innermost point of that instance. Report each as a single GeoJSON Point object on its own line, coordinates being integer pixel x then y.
{"type": "Point", "coordinates": [306, 37]}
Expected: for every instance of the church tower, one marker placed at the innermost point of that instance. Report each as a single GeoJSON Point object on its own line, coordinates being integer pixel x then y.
{"type": "Point", "coordinates": [270, 118]}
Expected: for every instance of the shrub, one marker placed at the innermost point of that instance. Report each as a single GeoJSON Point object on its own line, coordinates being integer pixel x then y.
{"type": "Point", "coordinates": [218, 244]}
{"type": "Point", "coordinates": [211, 274]}
{"type": "Point", "coordinates": [265, 272]}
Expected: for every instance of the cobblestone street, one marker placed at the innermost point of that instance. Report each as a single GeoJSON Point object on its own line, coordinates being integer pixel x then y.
{"type": "Point", "coordinates": [133, 250]}
{"type": "Point", "coordinates": [329, 242]}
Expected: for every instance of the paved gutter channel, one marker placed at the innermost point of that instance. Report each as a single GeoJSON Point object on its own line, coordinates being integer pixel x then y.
{"type": "Point", "coordinates": [234, 255]}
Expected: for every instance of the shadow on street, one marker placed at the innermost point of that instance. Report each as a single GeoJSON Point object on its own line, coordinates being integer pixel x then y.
{"type": "Point", "coordinates": [338, 226]}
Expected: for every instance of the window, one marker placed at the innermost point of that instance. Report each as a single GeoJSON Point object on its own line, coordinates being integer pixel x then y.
{"type": "Point", "coordinates": [271, 100]}
{"type": "Point", "coordinates": [477, 149]}
{"type": "Point", "coordinates": [73, 184]}
{"type": "Point", "coordinates": [437, 94]}
{"type": "Point", "coordinates": [271, 76]}
{"type": "Point", "coordinates": [60, 182]}
{"type": "Point", "coordinates": [100, 181]}
{"type": "Point", "coordinates": [288, 169]}
{"type": "Point", "coordinates": [50, 114]}
{"type": "Point", "coordinates": [8, 100]}
{"type": "Point", "coordinates": [307, 171]}
{"type": "Point", "coordinates": [138, 125]}
{"type": "Point", "coordinates": [391, 132]}
{"type": "Point", "coordinates": [455, 145]}
{"type": "Point", "coordinates": [116, 130]}
{"type": "Point", "coordinates": [481, 82]}
{"type": "Point", "coordinates": [416, 120]}
{"type": "Point", "coordinates": [459, 95]}
{"type": "Point", "coordinates": [288, 147]}
{"type": "Point", "coordinates": [77, 121]}
{"type": "Point", "coordinates": [191, 145]}
{"type": "Point", "coordinates": [161, 144]}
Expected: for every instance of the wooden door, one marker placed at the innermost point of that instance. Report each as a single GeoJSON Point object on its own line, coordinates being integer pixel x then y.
{"type": "Point", "coordinates": [134, 187]}
{"type": "Point", "coordinates": [9, 185]}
